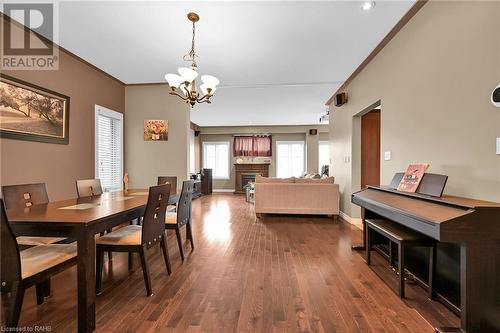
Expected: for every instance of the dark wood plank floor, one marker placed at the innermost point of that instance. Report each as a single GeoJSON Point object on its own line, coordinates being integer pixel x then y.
{"type": "Point", "coordinates": [277, 274]}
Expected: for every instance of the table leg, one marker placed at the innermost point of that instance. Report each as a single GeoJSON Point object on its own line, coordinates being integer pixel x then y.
{"type": "Point", "coordinates": [86, 280]}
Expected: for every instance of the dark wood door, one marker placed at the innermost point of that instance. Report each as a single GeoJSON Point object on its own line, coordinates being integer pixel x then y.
{"type": "Point", "coordinates": [370, 148]}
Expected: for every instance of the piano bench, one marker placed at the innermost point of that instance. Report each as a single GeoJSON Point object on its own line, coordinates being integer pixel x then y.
{"type": "Point", "coordinates": [403, 237]}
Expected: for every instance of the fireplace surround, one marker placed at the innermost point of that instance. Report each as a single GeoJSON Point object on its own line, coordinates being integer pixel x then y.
{"type": "Point", "coordinates": [245, 172]}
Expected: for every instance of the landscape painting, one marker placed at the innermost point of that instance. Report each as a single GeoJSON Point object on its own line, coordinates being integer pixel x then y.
{"type": "Point", "coordinates": [156, 130]}
{"type": "Point", "coordinates": [29, 112]}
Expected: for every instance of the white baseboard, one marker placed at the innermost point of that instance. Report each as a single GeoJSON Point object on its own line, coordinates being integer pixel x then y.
{"type": "Point", "coordinates": [223, 190]}
{"type": "Point", "coordinates": [357, 222]}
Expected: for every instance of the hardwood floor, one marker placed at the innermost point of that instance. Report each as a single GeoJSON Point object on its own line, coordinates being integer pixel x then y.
{"type": "Point", "coordinates": [276, 274]}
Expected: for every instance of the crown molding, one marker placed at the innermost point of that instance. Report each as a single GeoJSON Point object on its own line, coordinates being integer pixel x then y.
{"type": "Point", "coordinates": [394, 31]}
{"type": "Point", "coordinates": [71, 54]}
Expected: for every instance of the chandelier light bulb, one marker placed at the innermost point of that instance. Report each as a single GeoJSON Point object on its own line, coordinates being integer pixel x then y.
{"type": "Point", "coordinates": [187, 74]}
{"type": "Point", "coordinates": [173, 80]}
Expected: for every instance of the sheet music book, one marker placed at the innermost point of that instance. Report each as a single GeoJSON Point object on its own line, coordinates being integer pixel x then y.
{"type": "Point", "coordinates": [412, 177]}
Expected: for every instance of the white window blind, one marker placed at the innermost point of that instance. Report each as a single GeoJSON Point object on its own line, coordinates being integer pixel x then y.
{"type": "Point", "coordinates": [323, 154]}
{"type": "Point", "coordinates": [290, 159]}
{"type": "Point", "coordinates": [109, 148]}
{"type": "Point", "coordinates": [216, 157]}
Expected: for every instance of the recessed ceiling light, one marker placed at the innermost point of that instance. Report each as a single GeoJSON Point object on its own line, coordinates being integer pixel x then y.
{"type": "Point", "coordinates": [367, 6]}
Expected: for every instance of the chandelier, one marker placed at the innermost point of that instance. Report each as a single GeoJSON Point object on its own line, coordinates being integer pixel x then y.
{"type": "Point", "coordinates": [183, 84]}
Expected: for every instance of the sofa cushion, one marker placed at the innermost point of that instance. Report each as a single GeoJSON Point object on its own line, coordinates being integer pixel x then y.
{"type": "Point", "coordinates": [260, 179]}
{"type": "Point", "coordinates": [329, 180]}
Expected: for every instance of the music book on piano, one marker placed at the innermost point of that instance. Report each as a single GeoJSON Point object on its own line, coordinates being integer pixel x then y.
{"type": "Point", "coordinates": [412, 177]}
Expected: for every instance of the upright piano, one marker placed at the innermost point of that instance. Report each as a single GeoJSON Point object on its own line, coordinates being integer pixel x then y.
{"type": "Point", "coordinates": [472, 225]}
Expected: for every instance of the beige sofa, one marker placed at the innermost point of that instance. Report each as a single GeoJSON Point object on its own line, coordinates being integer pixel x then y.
{"type": "Point", "coordinates": [296, 196]}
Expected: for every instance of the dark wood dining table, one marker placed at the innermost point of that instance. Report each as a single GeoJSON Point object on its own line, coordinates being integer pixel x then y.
{"type": "Point", "coordinates": [81, 219]}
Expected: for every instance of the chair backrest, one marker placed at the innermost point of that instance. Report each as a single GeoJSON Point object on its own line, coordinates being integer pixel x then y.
{"type": "Point", "coordinates": [88, 187]}
{"type": "Point", "coordinates": [25, 195]}
{"type": "Point", "coordinates": [153, 224]}
{"type": "Point", "coordinates": [10, 259]}
{"type": "Point", "coordinates": [184, 204]}
{"type": "Point", "coordinates": [172, 180]}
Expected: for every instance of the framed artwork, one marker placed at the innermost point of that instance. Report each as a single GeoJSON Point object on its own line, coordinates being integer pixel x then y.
{"type": "Point", "coordinates": [29, 112]}
{"type": "Point", "coordinates": [155, 130]}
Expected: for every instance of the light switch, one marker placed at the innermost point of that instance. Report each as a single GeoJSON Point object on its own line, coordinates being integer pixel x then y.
{"type": "Point", "coordinates": [387, 155]}
{"type": "Point", "coordinates": [498, 146]}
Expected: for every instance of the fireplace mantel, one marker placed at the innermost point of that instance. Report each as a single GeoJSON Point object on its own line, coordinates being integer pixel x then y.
{"type": "Point", "coordinates": [246, 169]}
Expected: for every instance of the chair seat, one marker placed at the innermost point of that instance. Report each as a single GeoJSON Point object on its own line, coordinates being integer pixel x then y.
{"type": "Point", "coordinates": [42, 257]}
{"type": "Point", "coordinates": [128, 235]}
{"type": "Point", "coordinates": [171, 218]}
{"type": "Point", "coordinates": [25, 240]}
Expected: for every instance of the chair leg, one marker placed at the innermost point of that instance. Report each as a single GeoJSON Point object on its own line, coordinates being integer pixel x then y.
{"type": "Point", "coordinates": [40, 293]}
{"type": "Point", "coordinates": [14, 308]}
{"type": "Point", "coordinates": [401, 267]}
{"type": "Point", "coordinates": [98, 271]}
{"type": "Point", "coordinates": [432, 270]}
{"type": "Point", "coordinates": [368, 244]}
{"type": "Point", "coordinates": [164, 248]}
{"type": "Point", "coordinates": [46, 288]}
{"type": "Point", "coordinates": [110, 254]}
{"type": "Point", "coordinates": [145, 271]}
{"type": "Point", "coordinates": [130, 261]}
{"type": "Point", "coordinates": [189, 234]}
{"type": "Point", "coordinates": [179, 241]}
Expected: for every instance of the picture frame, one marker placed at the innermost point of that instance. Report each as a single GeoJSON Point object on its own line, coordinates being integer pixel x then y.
{"type": "Point", "coordinates": [155, 130]}
{"type": "Point", "coordinates": [32, 113]}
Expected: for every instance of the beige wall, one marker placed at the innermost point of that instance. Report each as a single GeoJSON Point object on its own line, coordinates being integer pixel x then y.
{"type": "Point", "coordinates": [59, 166]}
{"type": "Point", "coordinates": [279, 133]}
{"type": "Point", "coordinates": [434, 80]}
{"type": "Point", "coordinates": [146, 160]}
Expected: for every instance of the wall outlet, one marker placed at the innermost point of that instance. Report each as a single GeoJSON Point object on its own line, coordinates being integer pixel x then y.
{"type": "Point", "coordinates": [387, 155]}
{"type": "Point", "coordinates": [498, 146]}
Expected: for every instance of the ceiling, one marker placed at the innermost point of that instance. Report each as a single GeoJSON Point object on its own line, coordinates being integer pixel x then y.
{"type": "Point", "coordinates": [278, 61]}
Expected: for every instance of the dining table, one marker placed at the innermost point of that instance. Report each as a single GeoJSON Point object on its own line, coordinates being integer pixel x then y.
{"type": "Point", "coordinates": [81, 219]}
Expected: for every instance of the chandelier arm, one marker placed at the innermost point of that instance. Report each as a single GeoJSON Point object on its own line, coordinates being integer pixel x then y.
{"type": "Point", "coordinates": [175, 93]}
{"type": "Point", "coordinates": [205, 101]}
{"type": "Point", "coordinates": [203, 98]}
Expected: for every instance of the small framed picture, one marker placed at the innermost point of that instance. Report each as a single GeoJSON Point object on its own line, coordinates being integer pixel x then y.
{"type": "Point", "coordinates": [155, 130]}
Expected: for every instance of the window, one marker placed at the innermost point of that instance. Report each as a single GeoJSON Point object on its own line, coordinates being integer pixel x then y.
{"type": "Point", "coordinates": [290, 160]}
{"type": "Point", "coordinates": [216, 157]}
{"type": "Point", "coordinates": [109, 148]}
{"type": "Point", "coordinates": [323, 154]}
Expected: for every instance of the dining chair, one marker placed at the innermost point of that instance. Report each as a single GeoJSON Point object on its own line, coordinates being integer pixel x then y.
{"type": "Point", "coordinates": [172, 180]}
{"type": "Point", "coordinates": [28, 268]}
{"type": "Point", "coordinates": [182, 217]}
{"type": "Point", "coordinates": [88, 187]}
{"type": "Point", "coordinates": [27, 195]}
{"type": "Point", "coordinates": [139, 238]}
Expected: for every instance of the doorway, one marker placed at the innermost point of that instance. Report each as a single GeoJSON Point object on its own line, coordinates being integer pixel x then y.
{"type": "Point", "coordinates": [370, 148]}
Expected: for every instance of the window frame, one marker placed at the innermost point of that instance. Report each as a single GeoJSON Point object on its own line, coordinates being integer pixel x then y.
{"type": "Point", "coordinates": [101, 110]}
{"type": "Point", "coordinates": [327, 143]}
{"type": "Point", "coordinates": [228, 144]}
{"type": "Point", "coordinates": [289, 142]}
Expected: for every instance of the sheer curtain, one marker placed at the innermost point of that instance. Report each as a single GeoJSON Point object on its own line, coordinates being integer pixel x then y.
{"type": "Point", "coordinates": [262, 145]}
{"type": "Point", "coordinates": [243, 146]}
{"type": "Point", "coordinates": [252, 146]}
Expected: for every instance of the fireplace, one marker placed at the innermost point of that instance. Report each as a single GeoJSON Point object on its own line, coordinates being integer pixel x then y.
{"type": "Point", "coordinates": [246, 173]}
{"type": "Point", "coordinates": [247, 178]}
